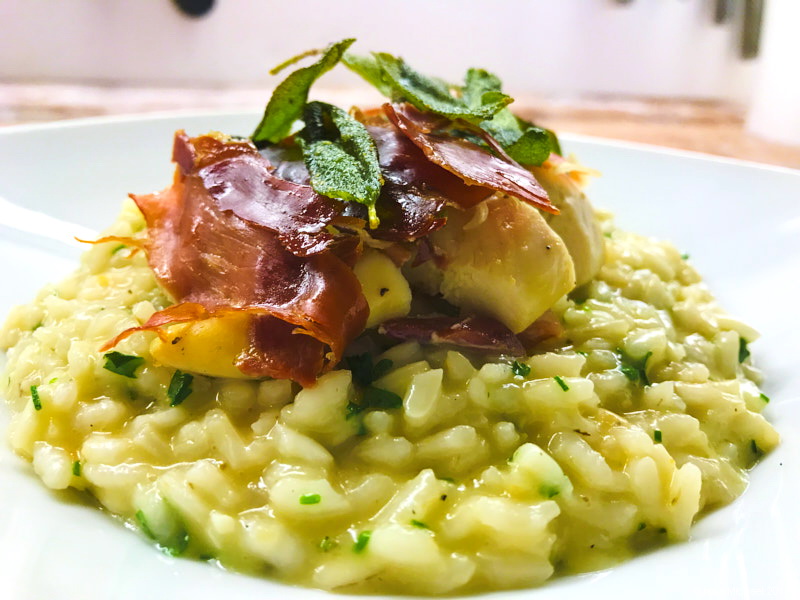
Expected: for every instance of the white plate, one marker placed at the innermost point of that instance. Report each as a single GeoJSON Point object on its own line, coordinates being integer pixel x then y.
{"type": "Point", "coordinates": [740, 222]}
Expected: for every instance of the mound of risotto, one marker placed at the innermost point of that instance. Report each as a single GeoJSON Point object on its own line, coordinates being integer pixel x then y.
{"type": "Point", "coordinates": [388, 350]}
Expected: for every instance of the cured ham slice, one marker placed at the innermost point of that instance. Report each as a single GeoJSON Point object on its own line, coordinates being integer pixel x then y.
{"type": "Point", "coordinates": [240, 180]}
{"type": "Point", "coordinates": [474, 165]}
{"type": "Point", "coordinates": [415, 189]}
{"type": "Point", "coordinates": [479, 333]}
{"type": "Point", "coordinates": [214, 261]}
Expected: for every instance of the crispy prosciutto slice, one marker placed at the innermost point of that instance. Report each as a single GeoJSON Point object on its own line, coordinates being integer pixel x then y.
{"type": "Point", "coordinates": [216, 255]}
{"type": "Point", "coordinates": [415, 189]}
{"type": "Point", "coordinates": [479, 333]}
{"type": "Point", "coordinates": [240, 180]}
{"type": "Point", "coordinates": [474, 165]}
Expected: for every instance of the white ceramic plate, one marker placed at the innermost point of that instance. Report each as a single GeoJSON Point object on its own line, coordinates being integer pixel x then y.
{"type": "Point", "coordinates": [740, 222]}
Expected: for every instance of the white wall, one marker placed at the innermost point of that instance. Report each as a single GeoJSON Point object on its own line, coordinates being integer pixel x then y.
{"type": "Point", "coordinates": [651, 47]}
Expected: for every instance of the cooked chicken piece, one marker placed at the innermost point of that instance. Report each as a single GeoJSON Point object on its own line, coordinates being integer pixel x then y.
{"type": "Point", "coordinates": [576, 224]}
{"type": "Point", "coordinates": [499, 259]}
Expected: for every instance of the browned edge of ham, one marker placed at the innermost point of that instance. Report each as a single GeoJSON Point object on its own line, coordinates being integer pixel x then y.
{"type": "Point", "coordinates": [216, 255]}
{"type": "Point", "coordinates": [474, 165]}
{"type": "Point", "coordinates": [479, 333]}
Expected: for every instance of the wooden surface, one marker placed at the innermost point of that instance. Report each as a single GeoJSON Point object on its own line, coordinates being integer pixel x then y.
{"type": "Point", "coordinates": [703, 126]}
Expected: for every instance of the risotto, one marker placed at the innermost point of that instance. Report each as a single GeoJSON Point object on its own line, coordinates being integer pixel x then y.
{"type": "Point", "coordinates": [416, 465]}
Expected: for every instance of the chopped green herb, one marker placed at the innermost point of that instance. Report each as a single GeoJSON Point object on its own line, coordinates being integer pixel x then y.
{"type": "Point", "coordinates": [657, 436]}
{"type": "Point", "coordinates": [310, 499]}
{"type": "Point", "coordinates": [520, 369]}
{"type": "Point", "coordinates": [53, 380]}
{"type": "Point", "coordinates": [364, 372]}
{"type": "Point", "coordinates": [142, 521]}
{"type": "Point", "coordinates": [641, 526]}
{"type": "Point", "coordinates": [549, 491]}
{"type": "Point", "coordinates": [685, 256]}
{"type": "Point", "coordinates": [76, 468]}
{"type": "Point", "coordinates": [361, 542]}
{"type": "Point", "coordinates": [180, 386]}
{"type": "Point", "coordinates": [764, 397]}
{"type": "Point", "coordinates": [662, 530]}
{"type": "Point", "coordinates": [744, 351]}
{"type": "Point", "coordinates": [341, 157]}
{"type": "Point", "coordinates": [607, 234]}
{"type": "Point", "coordinates": [353, 409]}
{"type": "Point", "coordinates": [35, 327]}
{"type": "Point", "coordinates": [37, 403]}
{"type": "Point", "coordinates": [118, 248]}
{"type": "Point", "coordinates": [122, 364]}
{"type": "Point", "coordinates": [581, 352]}
{"type": "Point", "coordinates": [327, 544]}
{"type": "Point", "coordinates": [561, 383]}
{"type": "Point", "coordinates": [755, 449]}
{"type": "Point", "coordinates": [381, 368]}
{"type": "Point", "coordinates": [419, 524]}
{"type": "Point", "coordinates": [380, 398]}
{"type": "Point", "coordinates": [634, 369]}
{"type": "Point", "coordinates": [174, 544]}
{"type": "Point", "coordinates": [290, 96]}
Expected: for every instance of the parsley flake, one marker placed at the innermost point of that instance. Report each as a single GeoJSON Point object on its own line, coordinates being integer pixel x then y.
{"type": "Point", "coordinates": [755, 449]}
{"type": "Point", "coordinates": [419, 524]}
{"type": "Point", "coordinates": [122, 364]}
{"type": "Point", "coordinates": [549, 491]}
{"type": "Point", "coordinates": [180, 386]}
{"type": "Point", "coordinates": [37, 402]}
{"type": "Point", "coordinates": [352, 410]}
{"type": "Point", "coordinates": [634, 369]}
{"type": "Point", "coordinates": [361, 541]}
{"type": "Point", "coordinates": [327, 544]}
{"type": "Point", "coordinates": [657, 436]}
{"type": "Point", "coordinates": [764, 397]}
{"type": "Point", "coordinates": [364, 371]}
{"type": "Point", "coordinates": [561, 383]}
{"type": "Point", "coordinates": [310, 499]}
{"type": "Point", "coordinates": [744, 351]}
{"type": "Point", "coordinates": [379, 398]}
{"type": "Point", "coordinates": [76, 468]}
{"type": "Point", "coordinates": [520, 369]}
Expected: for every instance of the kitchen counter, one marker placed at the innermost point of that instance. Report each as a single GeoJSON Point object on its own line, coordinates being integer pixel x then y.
{"type": "Point", "coordinates": [701, 125]}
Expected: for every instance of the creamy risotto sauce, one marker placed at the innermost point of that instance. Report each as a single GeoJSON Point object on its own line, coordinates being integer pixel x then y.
{"type": "Point", "coordinates": [488, 476]}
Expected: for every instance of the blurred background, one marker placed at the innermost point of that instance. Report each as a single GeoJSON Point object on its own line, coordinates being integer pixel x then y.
{"type": "Point", "coordinates": [717, 76]}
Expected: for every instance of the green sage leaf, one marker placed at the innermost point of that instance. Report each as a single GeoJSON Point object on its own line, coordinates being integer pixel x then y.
{"type": "Point", "coordinates": [369, 69]}
{"type": "Point", "coordinates": [122, 364]}
{"type": "Point", "coordinates": [290, 97]}
{"type": "Point", "coordinates": [341, 157]}
{"type": "Point", "coordinates": [434, 95]}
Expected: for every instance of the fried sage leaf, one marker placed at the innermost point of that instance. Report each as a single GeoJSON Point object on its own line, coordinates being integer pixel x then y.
{"type": "Point", "coordinates": [524, 142]}
{"type": "Point", "coordinates": [341, 157]}
{"type": "Point", "coordinates": [369, 69]}
{"type": "Point", "coordinates": [289, 98]}
{"type": "Point", "coordinates": [392, 74]}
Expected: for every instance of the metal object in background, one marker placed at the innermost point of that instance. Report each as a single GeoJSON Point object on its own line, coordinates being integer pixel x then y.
{"type": "Point", "coordinates": [751, 32]}
{"type": "Point", "coordinates": [723, 11]}
{"type": "Point", "coordinates": [194, 8]}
